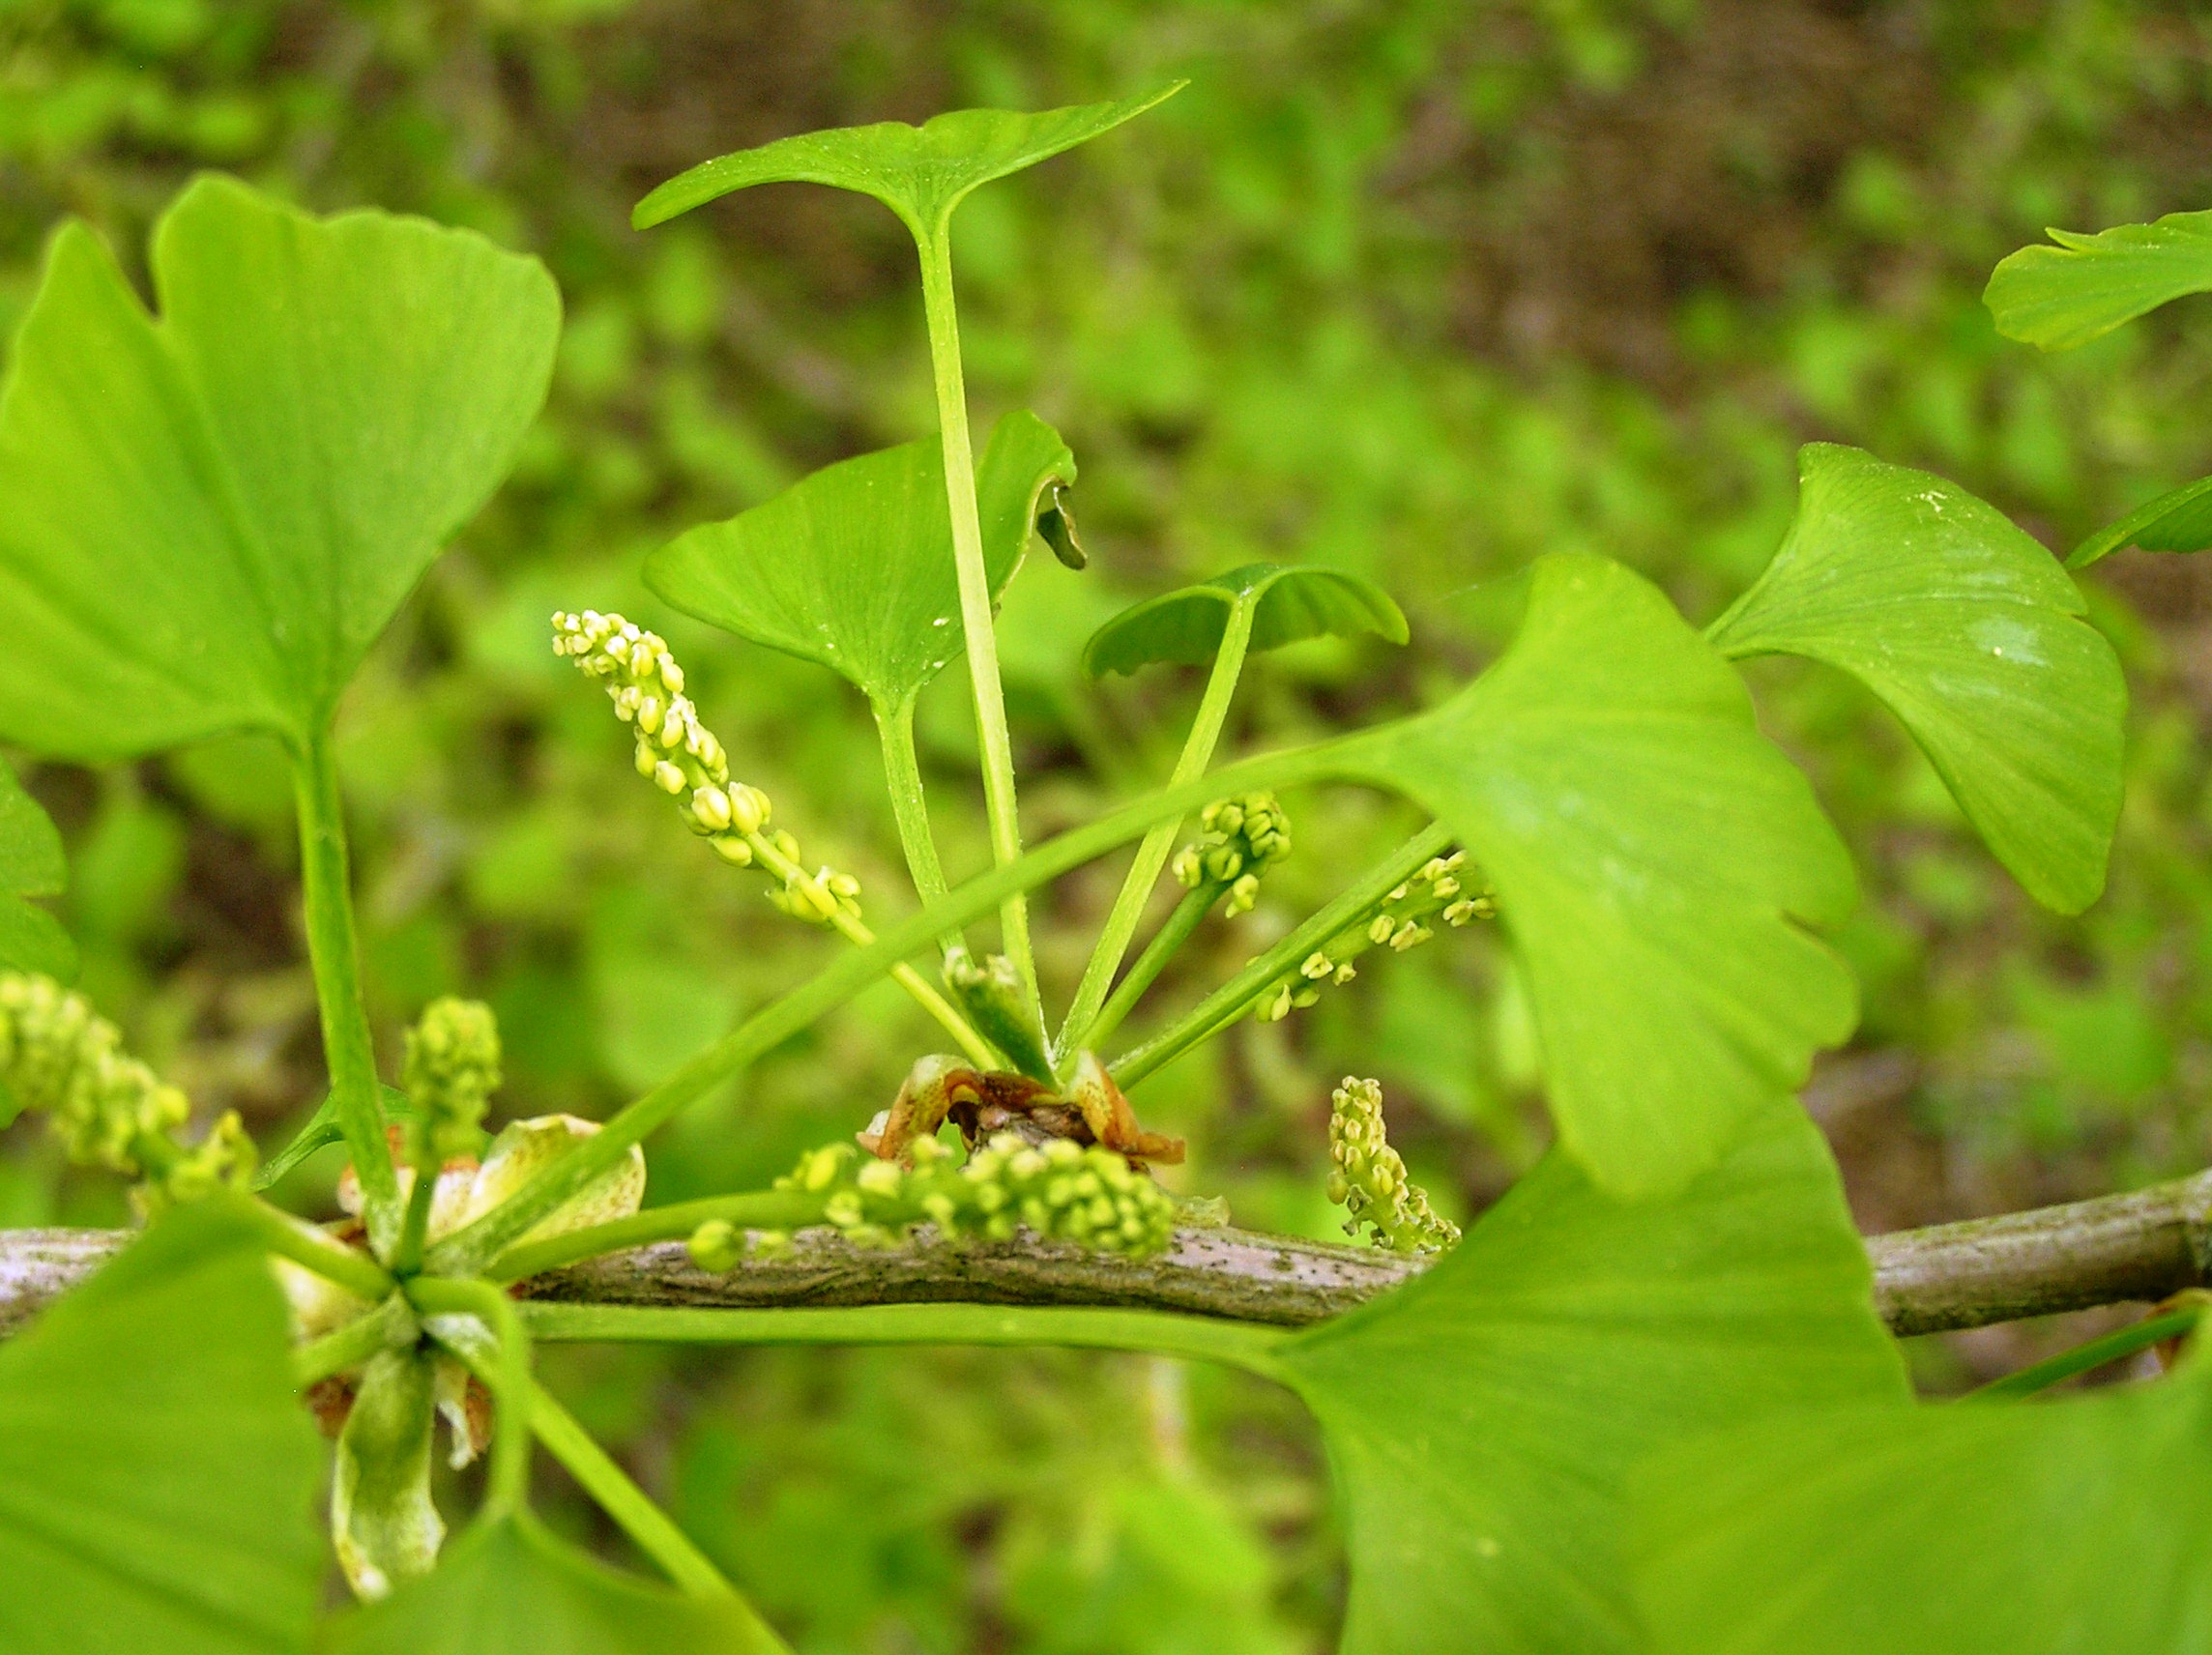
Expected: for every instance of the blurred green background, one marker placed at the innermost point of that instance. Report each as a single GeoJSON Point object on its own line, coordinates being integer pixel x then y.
{"type": "Point", "coordinates": [1421, 289]}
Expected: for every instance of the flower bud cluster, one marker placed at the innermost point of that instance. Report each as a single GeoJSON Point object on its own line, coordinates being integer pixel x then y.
{"type": "Point", "coordinates": [1368, 1179]}
{"type": "Point", "coordinates": [1060, 1190]}
{"type": "Point", "coordinates": [1404, 920]}
{"type": "Point", "coordinates": [1238, 839]}
{"type": "Point", "coordinates": [451, 1070]}
{"type": "Point", "coordinates": [681, 756]}
{"type": "Point", "coordinates": [58, 1056]}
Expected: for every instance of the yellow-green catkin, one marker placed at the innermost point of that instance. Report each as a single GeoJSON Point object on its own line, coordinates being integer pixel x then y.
{"type": "Point", "coordinates": [1368, 1179]}
{"type": "Point", "coordinates": [109, 1110]}
{"type": "Point", "coordinates": [1057, 1191]}
{"type": "Point", "coordinates": [1238, 839]}
{"type": "Point", "coordinates": [452, 1069]}
{"type": "Point", "coordinates": [681, 757]}
{"type": "Point", "coordinates": [1404, 920]}
{"type": "Point", "coordinates": [59, 1057]}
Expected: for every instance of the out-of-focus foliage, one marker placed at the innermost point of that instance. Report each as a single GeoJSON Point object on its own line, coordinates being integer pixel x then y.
{"type": "Point", "coordinates": [1421, 289]}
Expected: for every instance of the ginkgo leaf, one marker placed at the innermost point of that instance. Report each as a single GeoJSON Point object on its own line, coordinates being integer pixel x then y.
{"type": "Point", "coordinates": [1970, 632]}
{"type": "Point", "coordinates": [920, 173]}
{"type": "Point", "coordinates": [157, 1471]}
{"type": "Point", "coordinates": [1482, 1419]}
{"type": "Point", "coordinates": [507, 1587]}
{"type": "Point", "coordinates": [322, 1131]}
{"type": "Point", "coordinates": [1649, 850]}
{"type": "Point", "coordinates": [1289, 604]}
{"type": "Point", "coordinates": [2179, 520]}
{"type": "Point", "coordinates": [2058, 296]}
{"type": "Point", "coordinates": [31, 864]}
{"type": "Point", "coordinates": [853, 567]}
{"type": "Point", "coordinates": [2060, 1527]}
{"type": "Point", "coordinates": [205, 520]}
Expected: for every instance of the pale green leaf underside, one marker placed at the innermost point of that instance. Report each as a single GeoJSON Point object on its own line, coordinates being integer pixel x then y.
{"type": "Point", "coordinates": [1970, 632]}
{"type": "Point", "coordinates": [1651, 851]}
{"type": "Point", "coordinates": [510, 1588]}
{"type": "Point", "coordinates": [206, 520]}
{"type": "Point", "coordinates": [920, 173]}
{"type": "Point", "coordinates": [2058, 296]}
{"type": "Point", "coordinates": [2074, 1527]}
{"type": "Point", "coordinates": [853, 567]}
{"type": "Point", "coordinates": [155, 1468]}
{"type": "Point", "coordinates": [1481, 1420]}
{"type": "Point", "coordinates": [31, 938]}
{"type": "Point", "coordinates": [2179, 520]}
{"type": "Point", "coordinates": [1290, 604]}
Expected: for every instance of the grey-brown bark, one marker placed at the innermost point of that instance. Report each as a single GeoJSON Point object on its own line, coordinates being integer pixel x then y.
{"type": "Point", "coordinates": [2115, 1249]}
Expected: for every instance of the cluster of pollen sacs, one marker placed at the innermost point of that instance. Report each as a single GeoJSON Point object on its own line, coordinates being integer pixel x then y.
{"type": "Point", "coordinates": [1402, 920]}
{"type": "Point", "coordinates": [452, 1067]}
{"type": "Point", "coordinates": [1058, 1190]}
{"type": "Point", "coordinates": [681, 756]}
{"type": "Point", "coordinates": [1367, 1177]}
{"type": "Point", "coordinates": [1238, 839]}
{"type": "Point", "coordinates": [109, 1110]}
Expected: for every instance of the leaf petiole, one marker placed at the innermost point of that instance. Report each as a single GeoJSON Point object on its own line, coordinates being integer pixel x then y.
{"type": "Point", "coordinates": [759, 1210]}
{"type": "Point", "coordinates": [909, 806]}
{"type": "Point", "coordinates": [1173, 932]}
{"type": "Point", "coordinates": [1079, 1030]}
{"type": "Point", "coordinates": [335, 955]}
{"type": "Point", "coordinates": [505, 1369]}
{"type": "Point", "coordinates": [2082, 1358]}
{"type": "Point", "coordinates": [299, 1241]}
{"type": "Point", "coordinates": [1203, 1338]}
{"type": "Point", "coordinates": [934, 243]}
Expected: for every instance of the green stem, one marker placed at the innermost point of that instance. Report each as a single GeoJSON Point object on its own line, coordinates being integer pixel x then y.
{"type": "Point", "coordinates": [855, 930]}
{"type": "Point", "coordinates": [299, 1241]}
{"type": "Point", "coordinates": [2053, 1370]}
{"type": "Point", "coordinates": [390, 1325]}
{"type": "Point", "coordinates": [910, 804]}
{"type": "Point", "coordinates": [347, 1050]}
{"type": "Point", "coordinates": [407, 1254]}
{"type": "Point", "coordinates": [759, 1210]}
{"type": "Point", "coordinates": [1227, 1002]}
{"type": "Point", "coordinates": [976, 621]}
{"type": "Point", "coordinates": [1078, 1031]}
{"type": "Point", "coordinates": [622, 1499]}
{"type": "Point", "coordinates": [509, 1377]}
{"type": "Point", "coordinates": [644, 1522]}
{"type": "Point", "coordinates": [471, 1248]}
{"type": "Point", "coordinates": [1173, 932]}
{"type": "Point", "coordinates": [1203, 1338]}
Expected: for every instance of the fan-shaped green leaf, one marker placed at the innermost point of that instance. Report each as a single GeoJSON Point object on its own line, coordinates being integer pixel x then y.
{"type": "Point", "coordinates": [920, 173]}
{"type": "Point", "coordinates": [2057, 1527]}
{"type": "Point", "coordinates": [2087, 285]}
{"type": "Point", "coordinates": [509, 1587]}
{"type": "Point", "coordinates": [853, 567]}
{"type": "Point", "coordinates": [156, 1470]}
{"type": "Point", "coordinates": [2179, 520]}
{"type": "Point", "coordinates": [31, 938]}
{"type": "Point", "coordinates": [1969, 631]}
{"type": "Point", "coordinates": [205, 519]}
{"type": "Point", "coordinates": [1289, 604]}
{"type": "Point", "coordinates": [1649, 850]}
{"type": "Point", "coordinates": [1482, 1419]}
